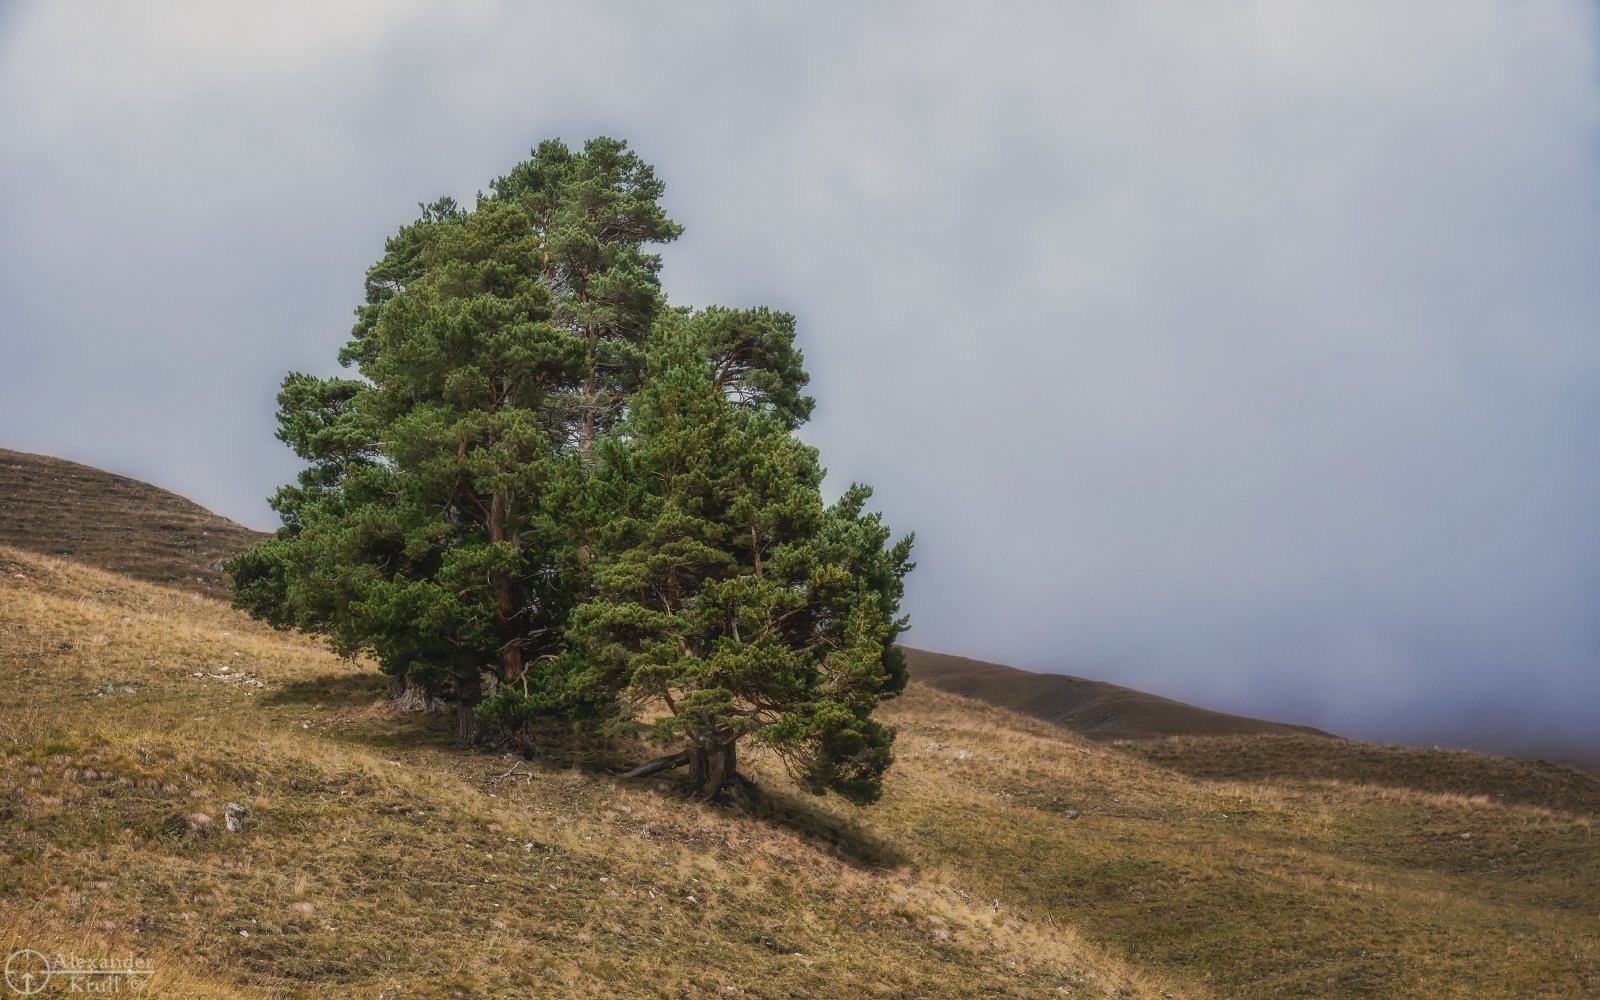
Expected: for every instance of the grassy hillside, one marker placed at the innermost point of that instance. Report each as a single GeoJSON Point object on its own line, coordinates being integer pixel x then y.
{"type": "Point", "coordinates": [1008, 857]}
{"type": "Point", "coordinates": [1096, 709]}
{"type": "Point", "coordinates": [59, 508]}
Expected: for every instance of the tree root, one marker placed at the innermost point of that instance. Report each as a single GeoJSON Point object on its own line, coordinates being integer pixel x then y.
{"type": "Point", "coordinates": [709, 777]}
{"type": "Point", "coordinates": [665, 762]}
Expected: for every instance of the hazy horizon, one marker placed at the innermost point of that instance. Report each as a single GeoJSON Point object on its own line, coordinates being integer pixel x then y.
{"type": "Point", "coordinates": [1241, 353]}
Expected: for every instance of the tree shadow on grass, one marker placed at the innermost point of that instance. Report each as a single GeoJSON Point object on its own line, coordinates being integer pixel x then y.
{"type": "Point", "coordinates": [349, 700]}
{"type": "Point", "coordinates": [341, 690]}
{"type": "Point", "coordinates": [804, 815]}
{"type": "Point", "coordinates": [772, 802]}
{"type": "Point", "coordinates": [353, 708]}
{"type": "Point", "coordinates": [1349, 762]}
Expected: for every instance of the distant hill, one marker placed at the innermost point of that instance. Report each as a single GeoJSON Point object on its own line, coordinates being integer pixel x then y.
{"type": "Point", "coordinates": [1096, 709]}
{"type": "Point", "coordinates": [58, 508]}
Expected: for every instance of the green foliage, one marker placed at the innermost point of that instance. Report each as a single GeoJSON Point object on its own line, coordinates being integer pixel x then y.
{"type": "Point", "coordinates": [727, 593]}
{"type": "Point", "coordinates": [420, 532]}
{"type": "Point", "coordinates": [753, 359]}
{"type": "Point", "coordinates": [593, 213]}
{"type": "Point", "coordinates": [544, 475]}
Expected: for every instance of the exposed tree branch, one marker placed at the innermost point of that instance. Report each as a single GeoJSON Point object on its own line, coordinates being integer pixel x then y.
{"type": "Point", "coordinates": [666, 762]}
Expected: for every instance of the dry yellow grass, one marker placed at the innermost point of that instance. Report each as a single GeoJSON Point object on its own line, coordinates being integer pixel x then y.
{"type": "Point", "coordinates": [1007, 857]}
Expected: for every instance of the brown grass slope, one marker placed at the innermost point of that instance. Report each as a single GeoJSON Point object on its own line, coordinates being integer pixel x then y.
{"type": "Point", "coordinates": [59, 508]}
{"type": "Point", "coordinates": [1096, 709]}
{"type": "Point", "coordinates": [1008, 857]}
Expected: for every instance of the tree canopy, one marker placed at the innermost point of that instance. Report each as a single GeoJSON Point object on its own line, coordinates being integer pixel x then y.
{"type": "Point", "coordinates": [544, 480]}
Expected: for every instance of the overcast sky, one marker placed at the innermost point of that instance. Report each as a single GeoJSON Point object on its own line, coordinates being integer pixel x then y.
{"type": "Point", "coordinates": [1242, 352]}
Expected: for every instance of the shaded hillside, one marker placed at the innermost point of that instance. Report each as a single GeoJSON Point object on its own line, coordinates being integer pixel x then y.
{"type": "Point", "coordinates": [1008, 857]}
{"type": "Point", "coordinates": [71, 511]}
{"type": "Point", "coordinates": [1311, 760]}
{"type": "Point", "coordinates": [1094, 708]}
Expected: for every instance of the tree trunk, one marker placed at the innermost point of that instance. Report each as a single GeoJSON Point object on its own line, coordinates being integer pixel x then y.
{"type": "Point", "coordinates": [409, 697]}
{"type": "Point", "coordinates": [469, 692]}
{"type": "Point", "coordinates": [505, 608]}
{"type": "Point", "coordinates": [711, 767]}
{"type": "Point", "coordinates": [591, 387]}
{"type": "Point", "coordinates": [665, 762]}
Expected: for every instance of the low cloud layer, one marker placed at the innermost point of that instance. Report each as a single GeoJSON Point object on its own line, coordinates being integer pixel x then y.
{"type": "Point", "coordinates": [1245, 353]}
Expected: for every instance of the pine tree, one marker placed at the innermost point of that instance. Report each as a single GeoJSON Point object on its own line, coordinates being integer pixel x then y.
{"type": "Point", "coordinates": [492, 343]}
{"type": "Point", "coordinates": [727, 594]}
{"type": "Point", "coordinates": [592, 214]}
{"type": "Point", "coordinates": [415, 534]}
{"type": "Point", "coordinates": [523, 481]}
